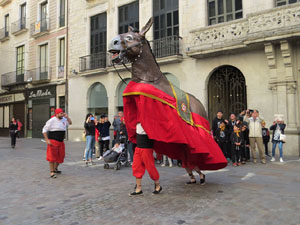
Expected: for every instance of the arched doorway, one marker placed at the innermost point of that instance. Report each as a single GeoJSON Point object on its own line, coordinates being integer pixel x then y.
{"type": "Point", "coordinates": [226, 92]}
{"type": "Point", "coordinates": [97, 99]}
{"type": "Point", "coordinates": [120, 89]}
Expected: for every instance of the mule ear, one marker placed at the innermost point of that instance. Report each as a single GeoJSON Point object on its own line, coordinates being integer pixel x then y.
{"type": "Point", "coordinates": [130, 29]}
{"type": "Point", "coordinates": [146, 27]}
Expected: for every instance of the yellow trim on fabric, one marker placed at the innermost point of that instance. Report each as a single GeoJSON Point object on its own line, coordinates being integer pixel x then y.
{"type": "Point", "coordinates": [150, 96]}
{"type": "Point", "coordinates": [188, 102]}
{"type": "Point", "coordinates": [163, 101]}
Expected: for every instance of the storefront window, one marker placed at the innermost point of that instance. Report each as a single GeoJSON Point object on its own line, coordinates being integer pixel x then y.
{"type": "Point", "coordinates": [98, 102]}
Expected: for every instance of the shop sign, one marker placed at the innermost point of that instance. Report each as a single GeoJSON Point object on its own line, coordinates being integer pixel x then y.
{"type": "Point", "coordinates": [41, 93]}
{"type": "Point", "coordinates": [6, 98]}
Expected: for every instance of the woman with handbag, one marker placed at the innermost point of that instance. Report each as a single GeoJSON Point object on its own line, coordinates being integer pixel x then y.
{"type": "Point", "coordinates": [13, 131]}
{"type": "Point", "coordinates": [89, 126]}
{"type": "Point", "coordinates": [278, 137]}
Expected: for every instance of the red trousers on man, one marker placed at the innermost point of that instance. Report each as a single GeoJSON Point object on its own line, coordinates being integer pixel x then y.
{"type": "Point", "coordinates": [143, 160]}
{"type": "Point", "coordinates": [56, 151]}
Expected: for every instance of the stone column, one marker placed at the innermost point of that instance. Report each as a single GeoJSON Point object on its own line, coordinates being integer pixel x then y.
{"type": "Point", "coordinates": [291, 103]}
{"type": "Point", "coordinates": [287, 52]}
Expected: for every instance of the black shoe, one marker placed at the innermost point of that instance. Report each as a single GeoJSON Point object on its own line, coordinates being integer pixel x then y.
{"type": "Point", "coordinates": [191, 182]}
{"type": "Point", "coordinates": [57, 171]}
{"type": "Point", "coordinates": [12, 146]}
{"type": "Point", "coordinates": [155, 192]}
{"type": "Point", "coordinates": [140, 193]}
{"type": "Point", "coordinates": [202, 181]}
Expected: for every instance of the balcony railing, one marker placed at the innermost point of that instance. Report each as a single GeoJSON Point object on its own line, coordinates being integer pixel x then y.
{"type": "Point", "coordinates": [257, 27]}
{"type": "Point", "coordinates": [4, 34]}
{"type": "Point", "coordinates": [91, 62]}
{"type": "Point", "coordinates": [167, 46]}
{"type": "Point", "coordinates": [62, 21]}
{"type": "Point", "coordinates": [18, 26]}
{"type": "Point", "coordinates": [40, 27]}
{"type": "Point", "coordinates": [13, 78]}
{"type": "Point", "coordinates": [39, 74]}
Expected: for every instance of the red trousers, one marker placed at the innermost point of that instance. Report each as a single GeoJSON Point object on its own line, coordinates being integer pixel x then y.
{"type": "Point", "coordinates": [143, 160]}
{"type": "Point", "coordinates": [56, 151]}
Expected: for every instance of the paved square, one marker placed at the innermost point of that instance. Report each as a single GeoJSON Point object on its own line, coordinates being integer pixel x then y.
{"type": "Point", "coordinates": [251, 194]}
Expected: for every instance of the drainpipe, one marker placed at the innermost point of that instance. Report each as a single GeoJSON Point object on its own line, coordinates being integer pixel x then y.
{"type": "Point", "coordinates": [67, 66]}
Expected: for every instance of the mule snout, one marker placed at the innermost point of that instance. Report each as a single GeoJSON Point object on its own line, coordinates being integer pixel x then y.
{"type": "Point", "coordinates": [115, 45]}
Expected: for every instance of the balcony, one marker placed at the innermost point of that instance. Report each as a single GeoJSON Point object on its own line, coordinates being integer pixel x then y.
{"type": "Point", "coordinates": [12, 78]}
{"type": "Point", "coordinates": [39, 75]}
{"type": "Point", "coordinates": [269, 25]}
{"type": "Point", "coordinates": [4, 2]}
{"type": "Point", "coordinates": [62, 21]}
{"type": "Point", "coordinates": [167, 46]}
{"type": "Point", "coordinates": [40, 28]}
{"type": "Point", "coordinates": [19, 27]}
{"type": "Point", "coordinates": [92, 62]}
{"type": "Point", "coordinates": [4, 34]}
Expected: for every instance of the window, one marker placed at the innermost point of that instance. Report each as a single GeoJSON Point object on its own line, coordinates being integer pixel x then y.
{"type": "Point", "coordinates": [98, 33]}
{"type": "Point", "coordinates": [166, 21]}
{"type": "Point", "coordinates": [98, 42]}
{"type": "Point", "coordinates": [20, 60]}
{"type": "Point", "coordinates": [61, 62]}
{"type": "Point", "coordinates": [284, 2]}
{"type": "Point", "coordinates": [23, 16]}
{"type": "Point", "coordinates": [220, 11]}
{"type": "Point", "coordinates": [6, 25]}
{"type": "Point", "coordinates": [128, 16]}
{"type": "Point", "coordinates": [44, 61]}
{"type": "Point", "coordinates": [43, 16]}
{"type": "Point", "coordinates": [62, 13]}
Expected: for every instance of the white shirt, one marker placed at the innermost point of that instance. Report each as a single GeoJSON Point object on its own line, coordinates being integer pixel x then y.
{"type": "Point", "coordinates": [55, 124]}
{"type": "Point", "coordinates": [140, 129]}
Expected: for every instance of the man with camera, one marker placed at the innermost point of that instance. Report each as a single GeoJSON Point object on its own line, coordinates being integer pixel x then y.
{"type": "Point", "coordinates": [255, 133]}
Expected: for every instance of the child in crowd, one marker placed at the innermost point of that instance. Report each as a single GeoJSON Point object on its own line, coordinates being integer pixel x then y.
{"type": "Point", "coordinates": [266, 137]}
{"type": "Point", "coordinates": [236, 140]}
{"type": "Point", "coordinates": [245, 144]}
{"type": "Point", "coordinates": [222, 137]}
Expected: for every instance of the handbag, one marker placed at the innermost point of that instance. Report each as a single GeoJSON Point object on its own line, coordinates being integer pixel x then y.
{"type": "Point", "coordinates": [282, 138]}
{"type": "Point", "coordinates": [83, 136]}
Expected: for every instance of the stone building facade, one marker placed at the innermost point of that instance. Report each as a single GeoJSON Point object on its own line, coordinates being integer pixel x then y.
{"type": "Point", "coordinates": [234, 56]}
{"type": "Point", "coordinates": [35, 51]}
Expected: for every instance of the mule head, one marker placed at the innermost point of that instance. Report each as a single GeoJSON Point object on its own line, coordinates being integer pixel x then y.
{"type": "Point", "coordinates": [129, 45]}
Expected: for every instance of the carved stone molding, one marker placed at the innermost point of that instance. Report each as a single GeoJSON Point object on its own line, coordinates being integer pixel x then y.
{"type": "Point", "coordinates": [270, 54]}
{"type": "Point", "coordinates": [273, 88]}
{"type": "Point", "coordinates": [291, 88]}
{"type": "Point", "coordinates": [256, 27]}
{"type": "Point", "coordinates": [286, 53]}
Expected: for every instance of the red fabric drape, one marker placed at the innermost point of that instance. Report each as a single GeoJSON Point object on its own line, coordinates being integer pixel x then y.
{"type": "Point", "coordinates": [156, 111]}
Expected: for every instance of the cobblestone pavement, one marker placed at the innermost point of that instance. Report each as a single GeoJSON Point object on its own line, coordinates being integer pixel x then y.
{"type": "Point", "coordinates": [251, 194]}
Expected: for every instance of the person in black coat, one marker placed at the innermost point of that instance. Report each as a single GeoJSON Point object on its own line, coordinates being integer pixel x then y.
{"type": "Point", "coordinates": [266, 137]}
{"type": "Point", "coordinates": [245, 144]}
{"type": "Point", "coordinates": [13, 131]}
{"type": "Point", "coordinates": [216, 122]}
{"type": "Point", "coordinates": [222, 137]}
{"type": "Point", "coordinates": [89, 127]}
{"type": "Point", "coordinates": [104, 138]}
{"type": "Point", "coordinates": [278, 130]}
{"type": "Point", "coordinates": [236, 140]}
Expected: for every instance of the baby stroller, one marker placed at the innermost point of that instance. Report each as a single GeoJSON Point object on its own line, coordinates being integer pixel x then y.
{"type": "Point", "coordinates": [116, 158]}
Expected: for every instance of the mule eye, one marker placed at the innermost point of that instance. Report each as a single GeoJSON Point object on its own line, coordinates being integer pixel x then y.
{"type": "Point", "coordinates": [129, 38]}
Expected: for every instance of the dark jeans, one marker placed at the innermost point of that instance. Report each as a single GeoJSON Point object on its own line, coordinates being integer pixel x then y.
{"type": "Point", "coordinates": [228, 147]}
{"type": "Point", "coordinates": [235, 153]}
{"type": "Point", "coordinates": [131, 148]}
{"type": "Point", "coordinates": [245, 153]}
{"type": "Point", "coordinates": [103, 144]}
{"type": "Point", "coordinates": [223, 147]}
{"type": "Point", "coordinates": [13, 137]}
{"type": "Point", "coordinates": [266, 148]}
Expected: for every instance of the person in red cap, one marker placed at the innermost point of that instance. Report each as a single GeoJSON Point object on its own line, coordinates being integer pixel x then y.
{"type": "Point", "coordinates": [54, 134]}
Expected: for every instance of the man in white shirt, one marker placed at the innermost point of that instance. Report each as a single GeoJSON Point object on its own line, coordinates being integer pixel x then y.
{"type": "Point", "coordinates": [54, 134]}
